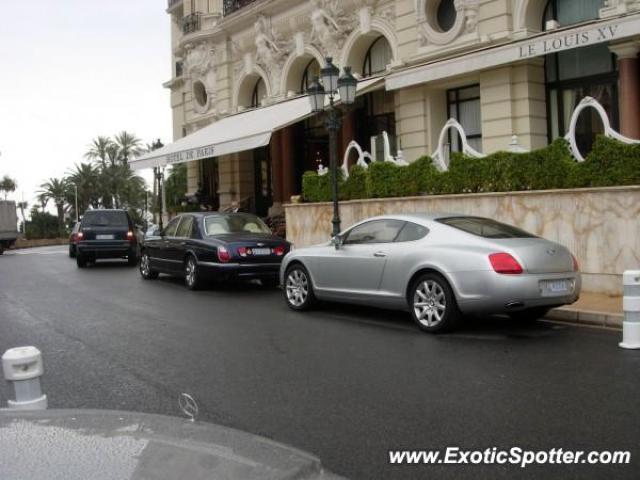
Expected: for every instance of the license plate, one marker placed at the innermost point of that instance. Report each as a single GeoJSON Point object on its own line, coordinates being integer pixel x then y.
{"type": "Point", "coordinates": [554, 287]}
{"type": "Point", "coordinates": [104, 237]}
{"type": "Point", "coordinates": [262, 251]}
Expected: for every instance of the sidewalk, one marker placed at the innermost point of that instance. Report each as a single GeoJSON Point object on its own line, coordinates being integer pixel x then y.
{"type": "Point", "coordinates": [592, 309]}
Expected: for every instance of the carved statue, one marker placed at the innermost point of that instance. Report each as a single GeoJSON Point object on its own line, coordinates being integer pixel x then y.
{"type": "Point", "coordinates": [328, 26]}
{"type": "Point", "coordinates": [268, 53]}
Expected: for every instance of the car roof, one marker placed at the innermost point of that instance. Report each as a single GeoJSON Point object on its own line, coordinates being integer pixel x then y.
{"type": "Point", "coordinates": [418, 217]}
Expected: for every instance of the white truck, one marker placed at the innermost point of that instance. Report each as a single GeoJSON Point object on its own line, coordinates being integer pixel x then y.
{"type": "Point", "coordinates": [8, 224]}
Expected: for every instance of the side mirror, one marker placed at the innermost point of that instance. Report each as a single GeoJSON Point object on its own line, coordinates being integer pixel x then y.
{"type": "Point", "coordinates": [336, 241]}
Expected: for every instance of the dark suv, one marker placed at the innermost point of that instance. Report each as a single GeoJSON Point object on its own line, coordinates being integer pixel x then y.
{"type": "Point", "coordinates": [106, 234]}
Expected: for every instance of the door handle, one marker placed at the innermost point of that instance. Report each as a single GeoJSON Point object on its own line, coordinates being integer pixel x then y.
{"type": "Point", "coordinates": [380, 254]}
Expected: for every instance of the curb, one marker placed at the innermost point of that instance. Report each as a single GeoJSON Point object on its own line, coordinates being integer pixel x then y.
{"type": "Point", "coordinates": [587, 318]}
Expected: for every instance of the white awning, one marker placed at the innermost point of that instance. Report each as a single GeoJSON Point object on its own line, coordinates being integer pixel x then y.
{"type": "Point", "coordinates": [237, 133]}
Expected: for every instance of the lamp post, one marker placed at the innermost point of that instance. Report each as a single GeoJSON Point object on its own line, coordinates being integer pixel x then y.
{"type": "Point", "coordinates": [332, 84]}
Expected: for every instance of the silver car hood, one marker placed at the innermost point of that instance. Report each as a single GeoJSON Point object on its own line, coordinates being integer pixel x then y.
{"type": "Point", "coordinates": [96, 444]}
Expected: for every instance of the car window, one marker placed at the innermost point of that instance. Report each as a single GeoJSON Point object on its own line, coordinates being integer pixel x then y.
{"type": "Point", "coordinates": [485, 227]}
{"type": "Point", "coordinates": [234, 223]}
{"type": "Point", "coordinates": [170, 231]}
{"type": "Point", "coordinates": [376, 231]}
{"type": "Point", "coordinates": [101, 218]}
{"type": "Point", "coordinates": [411, 232]}
{"type": "Point", "coordinates": [184, 229]}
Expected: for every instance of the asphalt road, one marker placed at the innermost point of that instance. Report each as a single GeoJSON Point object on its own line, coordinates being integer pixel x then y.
{"type": "Point", "coordinates": [346, 383]}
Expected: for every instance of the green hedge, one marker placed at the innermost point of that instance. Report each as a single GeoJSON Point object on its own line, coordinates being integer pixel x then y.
{"type": "Point", "coordinates": [610, 163]}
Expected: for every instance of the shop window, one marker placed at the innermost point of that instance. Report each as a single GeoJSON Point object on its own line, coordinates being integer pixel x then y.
{"type": "Point", "coordinates": [574, 74]}
{"type": "Point", "coordinates": [311, 71]}
{"type": "Point", "coordinates": [378, 56]}
{"type": "Point", "coordinates": [463, 104]}
{"type": "Point", "coordinates": [375, 114]}
{"type": "Point", "coordinates": [259, 92]}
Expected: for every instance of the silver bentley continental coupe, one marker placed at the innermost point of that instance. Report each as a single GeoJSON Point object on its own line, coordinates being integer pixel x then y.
{"type": "Point", "coordinates": [440, 267]}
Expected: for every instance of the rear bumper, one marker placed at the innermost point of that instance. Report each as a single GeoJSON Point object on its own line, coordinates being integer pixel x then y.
{"type": "Point", "coordinates": [106, 249]}
{"type": "Point", "coordinates": [489, 292]}
{"type": "Point", "coordinates": [239, 270]}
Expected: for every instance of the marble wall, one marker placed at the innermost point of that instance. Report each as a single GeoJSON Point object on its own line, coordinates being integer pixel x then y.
{"type": "Point", "coordinates": [601, 225]}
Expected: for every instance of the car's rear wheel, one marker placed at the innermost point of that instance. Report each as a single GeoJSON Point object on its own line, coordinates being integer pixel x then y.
{"type": "Point", "coordinates": [145, 268]}
{"type": "Point", "coordinates": [298, 290]}
{"type": "Point", "coordinates": [72, 251]}
{"type": "Point", "coordinates": [433, 304]}
{"type": "Point", "coordinates": [191, 275]}
{"type": "Point", "coordinates": [81, 261]}
{"type": "Point", "coordinates": [530, 314]}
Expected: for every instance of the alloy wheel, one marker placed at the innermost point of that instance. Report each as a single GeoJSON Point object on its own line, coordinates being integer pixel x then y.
{"type": "Point", "coordinates": [191, 272]}
{"type": "Point", "coordinates": [297, 287]}
{"type": "Point", "coordinates": [145, 268]}
{"type": "Point", "coordinates": [429, 303]}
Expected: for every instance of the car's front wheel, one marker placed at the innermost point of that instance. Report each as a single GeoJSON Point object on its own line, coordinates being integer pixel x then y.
{"type": "Point", "coordinates": [191, 275]}
{"type": "Point", "coordinates": [433, 304]}
{"type": "Point", "coordinates": [145, 268]}
{"type": "Point", "coordinates": [298, 290]}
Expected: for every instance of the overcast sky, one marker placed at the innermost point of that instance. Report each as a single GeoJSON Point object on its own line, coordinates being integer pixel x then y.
{"type": "Point", "coordinates": [71, 70]}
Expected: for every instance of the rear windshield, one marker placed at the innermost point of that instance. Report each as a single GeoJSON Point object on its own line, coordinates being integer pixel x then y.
{"type": "Point", "coordinates": [234, 223]}
{"type": "Point", "coordinates": [484, 227]}
{"type": "Point", "coordinates": [97, 218]}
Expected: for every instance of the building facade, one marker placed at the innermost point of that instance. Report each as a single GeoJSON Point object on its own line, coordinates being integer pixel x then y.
{"type": "Point", "coordinates": [501, 68]}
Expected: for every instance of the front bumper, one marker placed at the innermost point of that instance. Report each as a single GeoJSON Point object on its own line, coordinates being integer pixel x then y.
{"type": "Point", "coordinates": [106, 249]}
{"type": "Point", "coordinates": [240, 270]}
{"type": "Point", "coordinates": [488, 292]}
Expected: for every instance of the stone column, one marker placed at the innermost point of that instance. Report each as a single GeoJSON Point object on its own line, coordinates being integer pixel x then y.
{"type": "Point", "coordinates": [629, 87]}
{"type": "Point", "coordinates": [288, 164]}
{"type": "Point", "coordinates": [348, 133]}
{"type": "Point", "coordinates": [276, 172]}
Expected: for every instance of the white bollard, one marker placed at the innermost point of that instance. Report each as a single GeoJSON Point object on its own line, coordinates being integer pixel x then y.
{"type": "Point", "coordinates": [23, 368]}
{"type": "Point", "coordinates": [631, 307]}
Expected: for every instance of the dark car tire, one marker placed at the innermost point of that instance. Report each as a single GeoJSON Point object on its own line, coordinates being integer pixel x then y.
{"type": "Point", "coordinates": [298, 289]}
{"type": "Point", "coordinates": [81, 261]}
{"type": "Point", "coordinates": [145, 268]}
{"type": "Point", "coordinates": [426, 312]}
{"type": "Point", "coordinates": [191, 275]}
{"type": "Point", "coordinates": [530, 314]}
{"type": "Point", "coordinates": [72, 251]}
{"type": "Point", "coordinates": [1, 249]}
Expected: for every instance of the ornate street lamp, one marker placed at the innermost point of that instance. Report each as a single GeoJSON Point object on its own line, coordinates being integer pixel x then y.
{"type": "Point", "coordinates": [333, 85]}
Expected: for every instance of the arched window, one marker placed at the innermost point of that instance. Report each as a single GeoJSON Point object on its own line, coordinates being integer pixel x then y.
{"type": "Point", "coordinates": [311, 71]}
{"type": "Point", "coordinates": [377, 58]}
{"type": "Point", "coordinates": [259, 92]}
{"type": "Point", "coordinates": [574, 74]}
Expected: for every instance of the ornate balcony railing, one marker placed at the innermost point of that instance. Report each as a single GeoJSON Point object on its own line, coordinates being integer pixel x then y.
{"type": "Point", "coordinates": [191, 23]}
{"type": "Point", "coordinates": [231, 6]}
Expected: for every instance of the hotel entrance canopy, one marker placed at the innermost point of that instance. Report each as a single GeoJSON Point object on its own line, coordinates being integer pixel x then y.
{"type": "Point", "coordinates": [237, 133]}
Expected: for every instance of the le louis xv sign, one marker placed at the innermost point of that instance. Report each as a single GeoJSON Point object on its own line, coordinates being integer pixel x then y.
{"type": "Point", "coordinates": [558, 42]}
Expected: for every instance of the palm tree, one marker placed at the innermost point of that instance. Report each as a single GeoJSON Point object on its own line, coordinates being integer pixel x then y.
{"type": "Point", "coordinates": [22, 206]}
{"type": "Point", "coordinates": [129, 146]}
{"type": "Point", "coordinates": [56, 190]}
{"type": "Point", "coordinates": [86, 178]}
{"type": "Point", "coordinates": [8, 185]}
{"type": "Point", "coordinates": [98, 149]}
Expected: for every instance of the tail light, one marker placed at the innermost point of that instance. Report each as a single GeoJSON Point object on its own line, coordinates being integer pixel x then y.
{"type": "Point", "coordinates": [576, 267]}
{"type": "Point", "coordinates": [79, 235]}
{"type": "Point", "coordinates": [130, 236]}
{"type": "Point", "coordinates": [505, 264]}
{"type": "Point", "coordinates": [242, 251]}
{"type": "Point", "coordinates": [223, 255]}
{"type": "Point", "coordinates": [279, 250]}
